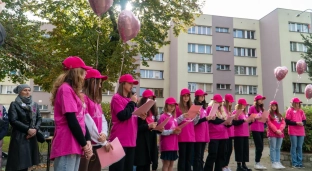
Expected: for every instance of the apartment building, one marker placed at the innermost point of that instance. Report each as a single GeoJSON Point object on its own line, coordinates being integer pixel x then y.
{"type": "Point", "coordinates": [221, 55]}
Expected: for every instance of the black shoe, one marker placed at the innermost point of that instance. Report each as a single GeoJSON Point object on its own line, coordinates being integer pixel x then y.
{"type": "Point", "coordinates": [246, 168]}
{"type": "Point", "coordinates": [240, 168]}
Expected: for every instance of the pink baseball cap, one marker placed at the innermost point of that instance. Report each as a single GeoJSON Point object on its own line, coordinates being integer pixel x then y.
{"type": "Point", "coordinates": [273, 102]}
{"type": "Point", "coordinates": [229, 98]}
{"type": "Point", "coordinates": [148, 93]}
{"type": "Point", "coordinates": [171, 100]}
{"type": "Point", "coordinates": [128, 78]}
{"type": "Point", "coordinates": [296, 100]}
{"type": "Point", "coordinates": [200, 92]}
{"type": "Point", "coordinates": [185, 91]}
{"type": "Point", "coordinates": [217, 98]}
{"type": "Point", "coordinates": [93, 73]}
{"type": "Point", "coordinates": [72, 62]}
{"type": "Point", "coordinates": [242, 101]}
{"type": "Point", "coordinates": [259, 97]}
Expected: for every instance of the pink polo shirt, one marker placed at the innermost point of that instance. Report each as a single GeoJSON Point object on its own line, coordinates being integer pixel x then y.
{"type": "Point", "coordinates": [64, 143]}
{"type": "Point", "coordinates": [217, 132]}
{"type": "Point", "coordinates": [202, 130]}
{"type": "Point", "coordinates": [243, 129]}
{"type": "Point", "coordinates": [256, 126]}
{"type": "Point", "coordinates": [169, 142]}
{"type": "Point", "coordinates": [295, 116]}
{"type": "Point", "coordinates": [187, 133]}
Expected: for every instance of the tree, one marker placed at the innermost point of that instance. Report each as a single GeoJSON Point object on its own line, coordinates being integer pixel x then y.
{"type": "Point", "coordinates": [308, 55]}
{"type": "Point", "coordinates": [77, 28]}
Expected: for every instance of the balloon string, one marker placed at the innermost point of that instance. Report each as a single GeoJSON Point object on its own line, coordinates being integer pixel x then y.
{"type": "Point", "coordinates": [278, 83]}
{"type": "Point", "coordinates": [298, 78]}
{"type": "Point", "coordinates": [98, 42]}
{"type": "Point", "coordinates": [122, 62]}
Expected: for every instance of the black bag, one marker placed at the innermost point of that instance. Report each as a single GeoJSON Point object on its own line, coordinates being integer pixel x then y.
{"type": "Point", "coordinates": [40, 136]}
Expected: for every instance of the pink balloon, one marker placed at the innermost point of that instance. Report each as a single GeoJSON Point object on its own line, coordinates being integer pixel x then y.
{"type": "Point", "coordinates": [128, 25]}
{"type": "Point", "coordinates": [308, 91]}
{"type": "Point", "coordinates": [280, 72]}
{"type": "Point", "coordinates": [301, 66]}
{"type": "Point", "coordinates": [100, 6]}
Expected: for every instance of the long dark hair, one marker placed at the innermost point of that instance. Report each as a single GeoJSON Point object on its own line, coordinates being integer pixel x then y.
{"type": "Point", "coordinates": [272, 113]}
{"type": "Point", "coordinates": [153, 108]}
{"type": "Point", "coordinates": [93, 90]}
{"type": "Point", "coordinates": [259, 107]}
{"type": "Point", "coordinates": [188, 104]}
{"type": "Point", "coordinates": [203, 103]}
{"type": "Point", "coordinates": [120, 90]}
{"type": "Point", "coordinates": [227, 106]}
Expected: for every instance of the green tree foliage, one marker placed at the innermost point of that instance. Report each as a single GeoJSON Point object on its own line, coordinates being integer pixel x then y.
{"type": "Point", "coordinates": [308, 56]}
{"type": "Point", "coordinates": [76, 32]}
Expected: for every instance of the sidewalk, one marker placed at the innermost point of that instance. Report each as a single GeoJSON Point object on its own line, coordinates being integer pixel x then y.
{"type": "Point", "coordinates": [265, 161]}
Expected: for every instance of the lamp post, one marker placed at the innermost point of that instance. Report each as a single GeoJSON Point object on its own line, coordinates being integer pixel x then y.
{"type": "Point", "coordinates": [298, 15]}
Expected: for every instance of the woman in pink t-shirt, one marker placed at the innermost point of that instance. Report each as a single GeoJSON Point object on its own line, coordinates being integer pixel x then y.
{"type": "Point", "coordinates": [227, 104]}
{"type": "Point", "coordinates": [92, 90]}
{"type": "Point", "coordinates": [187, 135]}
{"type": "Point", "coordinates": [296, 120]}
{"type": "Point", "coordinates": [241, 135]}
{"type": "Point", "coordinates": [71, 137]}
{"type": "Point", "coordinates": [276, 125]}
{"type": "Point", "coordinates": [257, 129]}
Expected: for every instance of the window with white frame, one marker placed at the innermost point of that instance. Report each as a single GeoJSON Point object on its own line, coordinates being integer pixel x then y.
{"type": "Point", "coordinates": [38, 88]}
{"type": "Point", "coordinates": [224, 86]}
{"type": "Point", "coordinates": [299, 27]}
{"type": "Point", "coordinates": [299, 87]}
{"type": "Point", "coordinates": [157, 57]}
{"type": "Point", "coordinates": [109, 92]}
{"type": "Point", "coordinates": [222, 30]}
{"type": "Point", "coordinates": [201, 30]}
{"type": "Point", "coordinates": [196, 67]}
{"type": "Point", "coordinates": [238, 51]}
{"type": "Point", "coordinates": [206, 87]}
{"type": "Point", "coordinates": [244, 70]}
{"type": "Point", "coordinates": [7, 89]}
{"type": "Point", "coordinates": [298, 47]}
{"type": "Point", "coordinates": [151, 74]}
{"type": "Point", "coordinates": [223, 48]}
{"type": "Point", "coordinates": [245, 34]}
{"type": "Point", "coordinates": [199, 48]}
{"type": "Point", "coordinates": [246, 89]}
{"type": "Point", "coordinates": [223, 67]}
{"type": "Point", "coordinates": [43, 107]}
{"type": "Point", "coordinates": [159, 92]}
{"type": "Point", "coordinates": [293, 67]}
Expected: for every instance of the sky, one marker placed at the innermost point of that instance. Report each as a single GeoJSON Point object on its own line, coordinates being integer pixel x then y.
{"type": "Point", "coordinates": [252, 9]}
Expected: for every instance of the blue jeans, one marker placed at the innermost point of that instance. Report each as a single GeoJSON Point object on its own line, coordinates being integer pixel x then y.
{"type": "Point", "coordinates": [134, 168]}
{"type": "Point", "coordinates": [275, 149]}
{"type": "Point", "coordinates": [67, 163]}
{"type": "Point", "coordinates": [296, 149]}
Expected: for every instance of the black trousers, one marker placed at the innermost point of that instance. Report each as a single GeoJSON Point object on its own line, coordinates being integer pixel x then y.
{"type": "Point", "coordinates": [241, 148]}
{"type": "Point", "coordinates": [143, 168]}
{"type": "Point", "coordinates": [126, 163]}
{"type": "Point", "coordinates": [258, 140]}
{"type": "Point", "coordinates": [216, 155]}
{"type": "Point", "coordinates": [229, 149]}
{"type": "Point", "coordinates": [185, 156]}
{"type": "Point", "coordinates": [199, 149]}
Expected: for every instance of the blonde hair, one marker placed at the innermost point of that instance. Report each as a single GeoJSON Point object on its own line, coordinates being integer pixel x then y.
{"type": "Point", "coordinates": [74, 77]}
{"type": "Point", "coordinates": [221, 114]}
{"type": "Point", "coordinates": [239, 107]}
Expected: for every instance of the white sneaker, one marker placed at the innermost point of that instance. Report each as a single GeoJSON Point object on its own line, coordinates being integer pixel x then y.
{"type": "Point", "coordinates": [259, 166]}
{"type": "Point", "coordinates": [228, 169]}
{"type": "Point", "coordinates": [280, 165]}
{"type": "Point", "coordinates": [275, 165]}
{"type": "Point", "coordinates": [225, 169]}
{"type": "Point", "coordinates": [263, 167]}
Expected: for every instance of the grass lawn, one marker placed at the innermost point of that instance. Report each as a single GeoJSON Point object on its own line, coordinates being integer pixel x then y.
{"type": "Point", "coordinates": [43, 147]}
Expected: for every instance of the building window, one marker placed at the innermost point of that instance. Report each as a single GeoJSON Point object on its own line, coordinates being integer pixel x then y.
{"type": "Point", "coordinates": [201, 30]}
{"type": "Point", "coordinates": [293, 67]}
{"type": "Point", "coordinates": [201, 68]}
{"type": "Point", "coordinates": [222, 30]}
{"type": "Point", "coordinates": [223, 67]}
{"type": "Point", "coordinates": [206, 87]}
{"type": "Point", "coordinates": [160, 109]}
{"type": "Point", "coordinates": [224, 86]}
{"type": "Point", "coordinates": [223, 48]}
{"type": "Point", "coordinates": [298, 27]}
{"type": "Point", "coordinates": [7, 89]}
{"type": "Point", "coordinates": [38, 88]}
{"type": "Point", "coordinates": [199, 48]}
{"type": "Point", "coordinates": [298, 47]}
{"type": "Point", "coordinates": [244, 34]}
{"type": "Point", "coordinates": [299, 87]}
{"type": "Point", "coordinates": [151, 74]}
{"type": "Point", "coordinates": [157, 57]}
{"type": "Point", "coordinates": [43, 107]}
{"type": "Point", "coordinates": [246, 89]}
{"type": "Point", "coordinates": [243, 70]}
{"type": "Point", "coordinates": [159, 92]}
{"type": "Point", "coordinates": [244, 52]}
{"type": "Point", "coordinates": [109, 92]}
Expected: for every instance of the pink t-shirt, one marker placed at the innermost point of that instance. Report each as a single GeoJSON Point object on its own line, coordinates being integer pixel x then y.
{"type": "Point", "coordinates": [230, 130]}
{"type": "Point", "coordinates": [66, 101]}
{"type": "Point", "coordinates": [275, 124]}
{"type": "Point", "coordinates": [256, 126]}
{"type": "Point", "coordinates": [295, 116]}
{"type": "Point", "coordinates": [169, 142]}
{"type": "Point", "coordinates": [202, 130]}
{"type": "Point", "coordinates": [95, 111]}
{"type": "Point", "coordinates": [217, 132]}
{"type": "Point", "coordinates": [126, 131]}
{"type": "Point", "coordinates": [243, 129]}
{"type": "Point", "coordinates": [187, 133]}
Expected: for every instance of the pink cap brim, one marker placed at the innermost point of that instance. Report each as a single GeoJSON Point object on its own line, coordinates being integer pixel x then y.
{"type": "Point", "coordinates": [172, 103]}
{"type": "Point", "coordinates": [231, 101]}
{"type": "Point", "coordinates": [86, 67]}
{"type": "Point", "coordinates": [135, 82]}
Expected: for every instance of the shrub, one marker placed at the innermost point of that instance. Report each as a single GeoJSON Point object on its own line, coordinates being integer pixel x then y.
{"type": "Point", "coordinates": [107, 114]}
{"type": "Point", "coordinates": [307, 145]}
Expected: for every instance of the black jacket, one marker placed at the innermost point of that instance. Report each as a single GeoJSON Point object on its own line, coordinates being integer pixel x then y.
{"type": "Point", "coordinates": [23, 153]}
